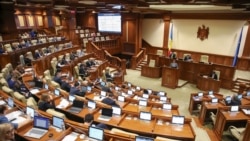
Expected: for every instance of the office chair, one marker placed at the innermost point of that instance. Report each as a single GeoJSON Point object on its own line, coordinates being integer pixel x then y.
{"type": "Point", "coordinates": [204, 58]}
{"type": "Point", "coordinates": [237, 132]}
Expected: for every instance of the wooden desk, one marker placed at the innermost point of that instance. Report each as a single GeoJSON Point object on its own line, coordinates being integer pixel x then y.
{"type": "Point", "coordinates": [225, 118]}
{"type": "Point", "coordinates": [152, 72]}
{"type": "Point", "coordinates": [114, 121]}
{"type": "Point", "coordinates": [170, 77]}
{"type": "Point", "coordinates": [207, 84]}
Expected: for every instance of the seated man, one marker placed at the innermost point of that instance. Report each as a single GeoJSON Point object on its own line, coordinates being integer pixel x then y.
{"type": "Point", "coordinates": [188, 58]}
{"type": "Point", "coordinates": [234, 101]}
{"type": "Point", "coordinates": [46, 102]}
{"type": "Point", "coordinates": [174, 64]}
{"type": "Point", "coordinates": [75, 90]}
{"type": "Point", "coordinates": [90, 63]}
{"type": "Point", "coordinates": [83, 71]}
{"type": "Point", "coordinates": [110, 100]}
{"type": "Point", "coordinates": [214, 75]}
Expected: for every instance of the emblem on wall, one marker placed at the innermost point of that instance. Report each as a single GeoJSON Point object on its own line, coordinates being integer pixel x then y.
{"type": "Point", "coordinates": [202, 32]}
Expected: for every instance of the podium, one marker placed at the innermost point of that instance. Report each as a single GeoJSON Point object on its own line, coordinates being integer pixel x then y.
{"type": "Point", "coordinates": [206, 83]}
{"type": "Point", "coordinates": [170, 77]}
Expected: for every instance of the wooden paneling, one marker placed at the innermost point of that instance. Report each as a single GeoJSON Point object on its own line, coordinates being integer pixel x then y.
{"type": "Point", "coordinates": [170, 77]}
{"type": "Point", "coordinates": [152, 72]}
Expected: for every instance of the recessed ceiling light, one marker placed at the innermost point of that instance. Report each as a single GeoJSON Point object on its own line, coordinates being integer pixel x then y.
{"type": "Point", "coordinates": [88, 2]}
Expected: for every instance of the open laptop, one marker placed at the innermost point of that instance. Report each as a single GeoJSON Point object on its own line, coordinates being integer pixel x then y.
{"type": "Point", "coordinates": [167, 106]}
{"type": "Point", "coordinates": [145, 96]}
{"type": "Point", "coordinates": [58, 122]}
{"type": "Point", "coordinates": [106, 113]}
{"type": "Point", "coordinates": [96, 133]}
{"type": "Point", "coordinates": [117, 110]}
{"type": "Point", "coordinates": [248, 93]}
{"type": "Point", "coordinates": [89, 88]}
{"type": "Point", "coordinates": [39, 129]}
{"type": "Point", "coordinates": [239, 96]}
{"type": "Point", "coordinates": [211, 94]}
{"type": "Point", "coordinates": [121, 98]}
{"type": "Point", "coordinates": [57, 92]}
{"type": "Point", "coordinates": [38, 84]}
{"type": "Point", "coordinates": [103, 94]}
{"type": "Point", "coordinates": [30, 111]}
{"type": "Point", "coordinates": [177, 119]}
{"type": "Point", "coordinates": [130, 92]}
{"type": "Point", "coordinates": [76, 107]}
{"type": "Point", "coordinates": [149, 91]}
{"type": "Point", "coordinates": [71, 98]}
{"type": "Point", "coordinates": [91, 104]}
{"type": "Point", "coordinates": [142, 138]}
{"type": "Point", "coordinates": [200, 94]}
{"type": "Point", "coordinates": [145, 115]}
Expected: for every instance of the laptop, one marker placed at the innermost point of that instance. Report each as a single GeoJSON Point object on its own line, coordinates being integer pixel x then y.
{"type": "Point", "coordinates": [76, 107]}
{"type": "Point", "coordinates": [200, 94]}
{"type": "Point", "coordinates": [121, 98]}
{"type": "Point", "coordinates": [91, 104]}
{"type": "Point", "coordinates": [142, 138]}
{"type": "Point", "coordinates": [214, 100]}
{"type": "Point", "coordinates": [58, 122]}
{"type": "Point", "coordinates": [234, 108]}
{"type": "Point", "coordinates": [145, 115]}
{"type": "Point", "coordinates": [149, 91]}
{"type": "Point", "coordinates": [138, 88]}
{"type": "Point", "coordinates": [143, 103]}
{"type": "Point", "coordinates": [129, 85]}
{"type": "Point", "coordinates": [57, 92]}
{"type": "Point", "coordinates": [179, 120]}
{"type": "Point", "coordinates": [117, 88]}
{"type": "Point", "coordinates": [89, 88]}
{"type": "Point", "coordinates": [96, 133]}
{"type": "Point", "coordinates": [167, 106]}
{"type": "Point", "coordinates": [248, 93]}
{"type": "Point", "coordinates": [10, 102]}
{"type": "Point", "coordinates": [239, 96]}
{"type": "Point", "coordinates": [39, 129]}
{"type": "Point", "coordinates": [71, 98]}
{"type": "Point", "coordinates": [30, 111]}
{"type": "Point", "coordinates": [161, 93]}
{"type": "Point", "coordinates": [106, 113]}
{"type": "Point", "coordinates": [117, 110]}
{"type": "Point", "coordinates": [84, 89]}
{"type": "Point", "coordinates": [211, 94]}
{"type": "Point", "coordinates": [38, 84]}
{"type": "Point", "coordinates": [228, 98]}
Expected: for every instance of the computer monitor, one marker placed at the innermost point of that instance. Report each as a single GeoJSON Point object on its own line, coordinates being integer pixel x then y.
{"type": "Point", "coordinates": [30, 111]}
{"type": "Point", "coordinates": [130, 92]}
{"type": "Point", "coordinates": [228, 98]}
{"type": "Point", "coordinates": [117, 88]}
{"type": "Point", "coordinates": [145, 115]}
{"type": "Point", "coordinates": [58, 122]}
{"type": "Point", "coordinates": [91, 104]}
{"type": "Point", "coordinates": [200, 94]}
{"type": "Point", "coordinates": [46, 86]}
{"type": "Point", "coordinates": [163, 98]}
{"type": "Point", "coordinates": [41, 122]}
{"type": "Point", "coordinates": [145, 96]}
{"type": "Point", "coordinates": [248, 93]}
{"type": "Point", "coordinates": [71, 98]}
{"type": "Point", "coordinates": [167, 106]}
{"type": "Point", "coordinates": [89, 88]}
{"type": "Point", "coordinates": [234, 108]}
{"type": "Point", "coordinates": [214, 100]}
{"type": "Point", "coordinates": [129, 84]}
{"type": "Point", "coordinates": [176, 119]}
{"type": "Point", "coordinates": [138, 88]}
{"type": "Point", "coordinates": [210, 92]}
{"type": "Point", "coordinates": [143, 103]}
{"type": "Point", "coordinates": [103, 93]}
{"type": "Point", "coordinates": [142, 138]}
{"type": "Point", "coordinates": [149, 91]}
{"type": "Point", "coordinates": [10, 102]}
{"type": "Point", "coordinates": [121, 98]}
{"type": "Point", "coordinates": [161, 93]}
{"type": "Point", "coordinates": [57, 92]}
{"type": "Point", "coordinates": [116, 110]}
{"type": "Point", "coordinates": [96, 133]}
{"type": "Point", "coordinates": [239, 96]}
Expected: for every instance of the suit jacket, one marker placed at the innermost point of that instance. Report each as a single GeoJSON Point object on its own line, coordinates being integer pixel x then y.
{"type": "Point", "coordinates": [76, 91]}
{"type": "Point", "coordinates": [44, 106]}
{"type": "Point", "coordinates": [58, 80]}
{"type": "Point", "coordinates": [110, 102]}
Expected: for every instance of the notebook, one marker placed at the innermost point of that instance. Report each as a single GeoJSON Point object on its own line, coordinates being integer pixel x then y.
{"type": "Point", "coordinates": [178, 120]}
{"type": "Point", "coordinates": [96, 133]}
{"type": "Point", "coordinates": [76, 107]}
{"type": "Point", "coordinates": [30, 111]}
{"type": "Point", "coordinates": [58, 122]}
{"type": "Point", "coordinates": [91, 104]}
{"type": "Point", "coordinates": [117, 110]}
{"type": "Point", "coordinates": [39, 129]}
{"type": "Point", "coordinates": [143, 103]}
{"type": "Point", "coordinates": [142, 138]}
{"type": "Point", "coordinates": [57, 92]}
{"type": "Point", "coordinates": [145, 115]}
{"type": "Point", "coordinates": [106, 114]}
{"type": "Point", "coordinates": [167, 106]}
{"type": "Point", "coordinates": [121, 98]}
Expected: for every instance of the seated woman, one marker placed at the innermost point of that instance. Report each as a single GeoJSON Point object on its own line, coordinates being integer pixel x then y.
{"type": "Point", "coordinates": [46, 102]}
{"type": "Point", "coordinates": [7, 132]}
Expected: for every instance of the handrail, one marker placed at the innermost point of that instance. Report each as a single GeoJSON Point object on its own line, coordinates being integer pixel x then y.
{"type": "Point", "coordinates": [135, 60]}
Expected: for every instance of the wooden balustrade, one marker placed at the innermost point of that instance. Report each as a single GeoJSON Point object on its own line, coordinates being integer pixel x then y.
{"type": "Point", "coordinates": [135, 60]}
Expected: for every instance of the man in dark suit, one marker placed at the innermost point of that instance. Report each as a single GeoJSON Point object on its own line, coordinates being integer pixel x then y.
{"type": "Point", "coordinates": [83, 72]}
{"type": "Point", "coordinates": [110, 100]}
{"type": "Point", "coordinates": [214, 75]}
{"type": "Point", "coordinates": [75, 90]}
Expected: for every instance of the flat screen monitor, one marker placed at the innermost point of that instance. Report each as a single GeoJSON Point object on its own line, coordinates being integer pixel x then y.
{"type": "Point", "coordinates": [121, 98]}
{"type": "Point", "coordinates": [30, 111]}
{"type": "Point", "coordinates": [145, 115]}
{"type": "Point", "coordinates": [57, 92]}
{"type": "Point", "coordinates": [248, 93]}
{"type": "Point", "coordinates": [143, 103]}
{"type": "Point", "coordinates": [117, 110]}
{"type": "Point", "coordinates": [130, 92]}
{"type": "Point", "coordinates": [96, 133]}
{"type": "Point", "coordinates": [163, 98]}
{"type": "Point", "coordinates": [210, 92]}
{"type": "Point", "coordinates": [214, 100]}
{"type": "Point", "coordinates": [71, 98]}
{"type": "Point", "coordinates": [145, 95]}
{"type": "Point", "coordinates": [176, 119]}
{"type": "Point", "coordinates": [103, 93]}
{"type": "Point", "coordinates": [200, 94]}
{"type": "Point", "coordinates": [161, 93]}
{"type": "Point", "coordinates": [142, 138]}
{"type": "Point", "coordinates": [46, 86]}
{"type": "Point", "coordinates": [10, 102]}
{"type": "Point", "coordinates": [91, 104]}
{"type": "Point", "coordinates": [58, 122]}
{"type": "Point", "coordinates": [109, 22]}
{"type": "Point", "coordinates": [167, 106]}
{"type": "Point", "coordinates": [234, 108]}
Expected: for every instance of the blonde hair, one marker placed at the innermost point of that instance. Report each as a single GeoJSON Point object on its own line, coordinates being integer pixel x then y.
{"type": "Point", "coordinates": [4, 128]}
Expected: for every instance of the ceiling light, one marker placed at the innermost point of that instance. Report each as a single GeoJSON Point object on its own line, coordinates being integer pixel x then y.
{"type": "Point", "coordinates": [88, 2]}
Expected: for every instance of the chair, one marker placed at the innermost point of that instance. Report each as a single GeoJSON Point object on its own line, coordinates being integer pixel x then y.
{"type": "Point", "coordinates": [31, 102]}
{"type": "Point", "coordinates": [53, 65]}
{"type": "Point", "coordinates": [86, 30]}
{"type": "Point", "coordinates": [204, 59]}
{"type": "Point", "coordinates": [55, 113]}
{"type": "Point", "coordinates": [116, 130]}
{"type": "Point", "coordinates": [5, 72]}
{"type": "Point", "coordinates": [3, 82]}
{"type": "Point", "coordinates": [7, 90]}
{"type": "Point", "coordinates": [107, 38]}
{"type": "Point", "coordinates": [151, 63]}
{"type": "Point", "coordinates": [97, 39]}
{"type": "Point", "coordinates": [98, 34]}
{"type": "Point", "coordinates": [218, 74]}
{"type": "Point", "coordinates": [67, 57]}
{"type": "Point", "coordinates": [30, 55]}
{"type": "Point", "coordinates": [186, 54]}
{"type": "Point", "coordinates": [59, 38]}
{"type": "Point", "coordinates": [60, 57]}
{"type": "Point", "coordinates": [76, 71]}
{"type": "Point", "coordinates": [8, 48]}
{"type": "Point", "coordinates": [238, 133]}
{"type": "Point", "coordinates": [85, 41]}
{"type": "Point", "coordinates": [82, 35]}
{"type": "Point", "coordinates": [213, 117]}
{"type": "Point", "coordinates": [52, 48]}
{"type": "Point", "coordinates": [9, 67]}
{"type": "Point", "coordinates": [21, 59]}
{"type": "Point", "coordinates": [20, 97]}
{"type": "Point", "coordinates": [81, 31]}
{"type": "Point", "coordinates": [159, 52]}
{"type": "Point", "coordinates": [61, 46]}
{"type": "Point", "coordinates": [15, 44]}
{"type": "Point", "coordinates": [102, 38]}
{"type": "Point", "coordinates": [33, 42]}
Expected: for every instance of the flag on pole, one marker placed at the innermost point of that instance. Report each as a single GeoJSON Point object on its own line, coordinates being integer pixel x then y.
{"type": "Point", "coordinates": [170, 41]}
{"type": "Point", "coordinates": [237, 49]}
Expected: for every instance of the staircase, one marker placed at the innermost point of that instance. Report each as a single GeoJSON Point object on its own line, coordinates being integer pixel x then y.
{"type": "Point", "coordinates": [144, 62]}
{"type": "Point", "coordinates": [237, 84]}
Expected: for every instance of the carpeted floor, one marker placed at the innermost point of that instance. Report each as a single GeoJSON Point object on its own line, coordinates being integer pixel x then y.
{"type": "Point", "coordinates": [179, 96]}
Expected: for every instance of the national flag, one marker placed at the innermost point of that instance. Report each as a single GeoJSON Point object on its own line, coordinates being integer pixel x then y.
{"type": "Point", "coordinates": [170, 41]}
{"type": "Point", "coordinates": [237, 49]}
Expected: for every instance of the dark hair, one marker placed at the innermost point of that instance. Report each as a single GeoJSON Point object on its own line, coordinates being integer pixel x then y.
{"type": "Point", "coordinates": [2, 109]}
{"type": "Point", "coordinates": [76, 84]}
{"type": "Point", "coordinates": [88, 118]}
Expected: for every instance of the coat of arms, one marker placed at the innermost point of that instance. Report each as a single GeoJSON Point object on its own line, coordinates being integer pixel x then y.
{"type": "Point", "coordinates": [203, 32]}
